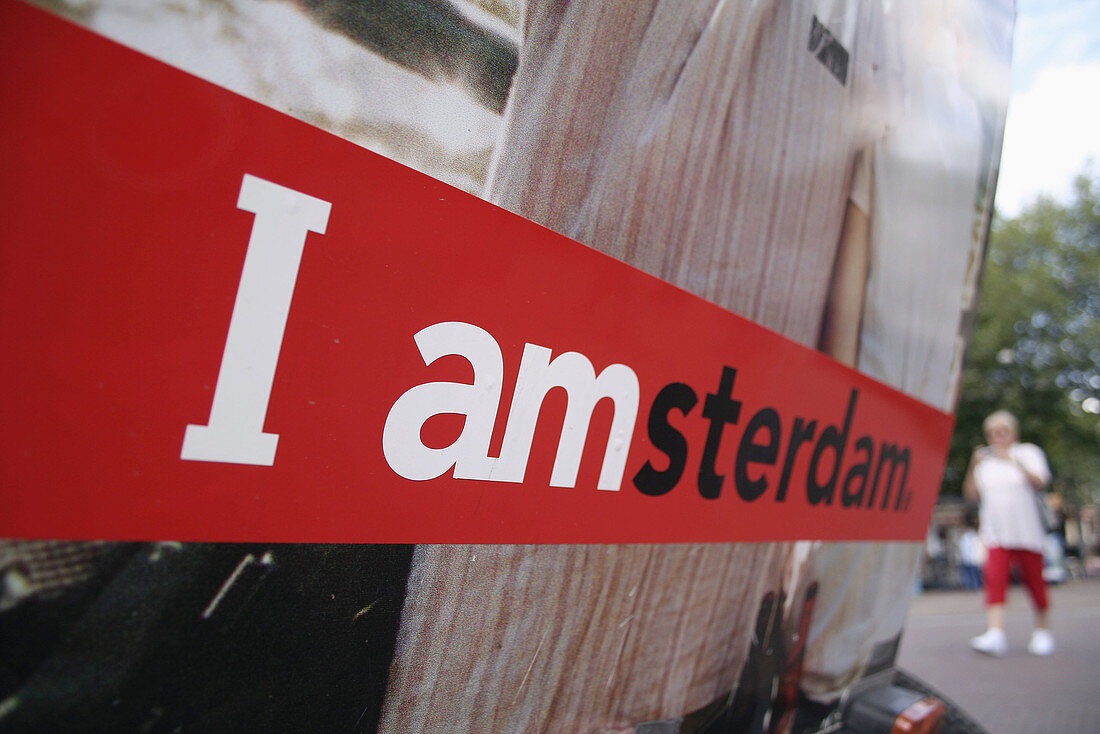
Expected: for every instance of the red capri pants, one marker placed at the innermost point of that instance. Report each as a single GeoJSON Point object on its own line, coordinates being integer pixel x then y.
{"type": "Point", "coordinates": [1030, 565]}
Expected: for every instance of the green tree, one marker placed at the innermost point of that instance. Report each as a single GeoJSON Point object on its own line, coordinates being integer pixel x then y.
{"type": "Point", "coordinates": [1036, 345]}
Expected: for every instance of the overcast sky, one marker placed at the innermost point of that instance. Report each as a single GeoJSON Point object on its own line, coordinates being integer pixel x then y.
{"type": "Point", "coordinates": [1054, 114]}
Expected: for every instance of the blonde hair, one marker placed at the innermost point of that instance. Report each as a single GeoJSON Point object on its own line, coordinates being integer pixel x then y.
{"type": "Point", "coordinates": [1001, 418]}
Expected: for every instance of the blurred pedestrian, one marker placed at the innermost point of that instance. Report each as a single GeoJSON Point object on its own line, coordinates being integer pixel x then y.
{"type": "Point", "coordinates": [1007, 477]}
{"type": "Point", "coordinates": [972, 554]}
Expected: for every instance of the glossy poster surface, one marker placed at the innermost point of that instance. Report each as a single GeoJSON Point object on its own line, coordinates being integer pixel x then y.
{"type": "Point", "coordinates": [206, 339]}
{"type": "Point", "coordinates": [704, 378]}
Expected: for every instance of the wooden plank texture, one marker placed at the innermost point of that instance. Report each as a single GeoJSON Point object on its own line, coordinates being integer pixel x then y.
{"type": "Point", "coordinates": [705, 144]}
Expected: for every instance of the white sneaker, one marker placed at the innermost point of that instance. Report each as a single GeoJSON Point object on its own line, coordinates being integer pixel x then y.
{"type": "Point", "coordinates": [1042, 642]}
{"type": "Point", "coordinates": [991, 642]}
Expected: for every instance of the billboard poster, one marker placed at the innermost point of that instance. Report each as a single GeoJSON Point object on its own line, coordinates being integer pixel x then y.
{"type": "Point", "coordinates": [478, 365]}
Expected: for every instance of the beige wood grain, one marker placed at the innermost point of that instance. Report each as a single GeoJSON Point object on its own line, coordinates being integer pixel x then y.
{"type": "Point", "coordinates": [703, 143]}
{"type": "Point", "coordinates": [571, 638]}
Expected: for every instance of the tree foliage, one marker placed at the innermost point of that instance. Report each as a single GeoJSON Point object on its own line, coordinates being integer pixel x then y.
{"type": "Point", "coordinates": [1036, 345]}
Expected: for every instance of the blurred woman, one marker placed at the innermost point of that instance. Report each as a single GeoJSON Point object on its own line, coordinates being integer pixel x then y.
{"type": "Point", "coordinates": [1006, 477]}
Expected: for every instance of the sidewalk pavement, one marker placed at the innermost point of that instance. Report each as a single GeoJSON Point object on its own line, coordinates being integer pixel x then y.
{"type": "Point", "coordinates": [1019, 693]}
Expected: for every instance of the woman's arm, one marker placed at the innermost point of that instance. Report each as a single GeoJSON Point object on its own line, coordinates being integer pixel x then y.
{"type": "Point", "coordinates": [840, 327]}
{"type": "Point", "coordinates": [1036, 479]}
{"type": "Point", "coordinates": [970, 486]}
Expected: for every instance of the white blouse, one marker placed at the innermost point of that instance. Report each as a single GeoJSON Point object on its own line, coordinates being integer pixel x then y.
{"type": "Point", "coordinates": [1009, 514]}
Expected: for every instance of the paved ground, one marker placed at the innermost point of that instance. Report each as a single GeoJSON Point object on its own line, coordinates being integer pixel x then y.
{"type": "Point", "coordinates": [1019, 693]}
